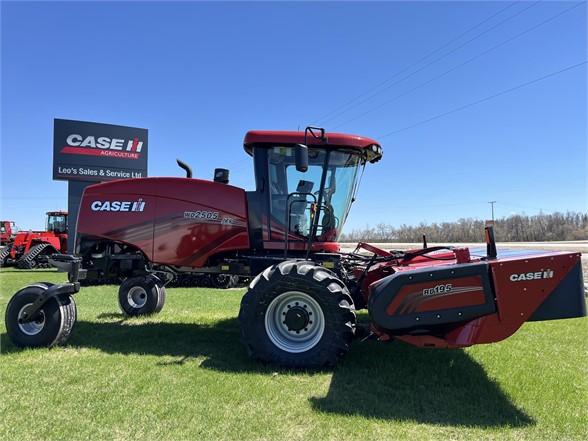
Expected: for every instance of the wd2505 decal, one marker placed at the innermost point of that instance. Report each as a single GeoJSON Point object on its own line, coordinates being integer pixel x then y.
{"type": "Point", "coordinates": [210, 215]}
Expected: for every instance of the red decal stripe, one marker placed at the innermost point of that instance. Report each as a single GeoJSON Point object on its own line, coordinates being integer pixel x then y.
{"type": "Point", "coordinates": [80, 151]}
{"type": "Point", "coordinates": [100, 152]}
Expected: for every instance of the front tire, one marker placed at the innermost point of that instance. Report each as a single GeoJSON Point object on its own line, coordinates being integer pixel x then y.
{"type": "Point", "coordinates": [296, 314]}
{"type": "Point", "coordinates": [53, 324]}
{"type": "Point", "coordinates": [141, 295]}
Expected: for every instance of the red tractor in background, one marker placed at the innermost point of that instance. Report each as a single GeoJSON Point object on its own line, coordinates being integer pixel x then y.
{"type": "Point", "coordinates": [8, 231]}
{"type": "Point", "coordinates": [300, 308]}
{"type": "Point", "coordinates": [31, 249]}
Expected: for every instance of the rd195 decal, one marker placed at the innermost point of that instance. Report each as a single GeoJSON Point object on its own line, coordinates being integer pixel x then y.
{"type": "Point", "coordinates": [439, 289]}
{"type": "Point", "coordinates": [211, 215]}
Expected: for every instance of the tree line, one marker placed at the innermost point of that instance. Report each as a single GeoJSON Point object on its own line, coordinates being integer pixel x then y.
{"type": "Point", "coordinates": [514, 228]}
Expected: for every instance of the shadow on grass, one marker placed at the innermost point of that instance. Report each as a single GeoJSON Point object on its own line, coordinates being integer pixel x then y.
{"type": "Point", "coordinates": [375, 380]}
{"type": "Point", "coordinates": [432, 386]}
{"type": "Point", "coordinates": [218, 343]}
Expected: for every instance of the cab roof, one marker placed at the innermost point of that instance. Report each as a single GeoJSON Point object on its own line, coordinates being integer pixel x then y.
{"type": "Point", "coordinates": [372, 148]}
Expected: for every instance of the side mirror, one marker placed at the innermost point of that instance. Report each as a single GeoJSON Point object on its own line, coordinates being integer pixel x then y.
{"type": "Point", "coordinates": [301, 157]}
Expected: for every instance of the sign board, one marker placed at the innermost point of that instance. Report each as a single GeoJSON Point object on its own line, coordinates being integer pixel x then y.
{"type": "Point", "coordinates": [98, 152]}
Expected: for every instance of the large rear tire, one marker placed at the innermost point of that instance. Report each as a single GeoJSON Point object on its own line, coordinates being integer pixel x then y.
{"type": "Point", "coordinates": [141, 295]}
{"type": "Point", "coordinates": [297, 314]}
{"type": "Point", "coordinates": [51, 327]}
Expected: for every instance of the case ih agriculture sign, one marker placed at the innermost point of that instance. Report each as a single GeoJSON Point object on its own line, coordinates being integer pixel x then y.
{"type": "Point", "coordinates": [98, 152]}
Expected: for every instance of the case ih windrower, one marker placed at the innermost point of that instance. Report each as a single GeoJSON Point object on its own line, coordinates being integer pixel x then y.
{"type": "Point", "coordinates": [299, 310]}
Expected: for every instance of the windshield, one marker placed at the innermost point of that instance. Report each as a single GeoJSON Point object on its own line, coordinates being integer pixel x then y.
{"type": "Point", "coordinates": [293, 192]}
{"type": "Point", "coordinates": [57, 223]}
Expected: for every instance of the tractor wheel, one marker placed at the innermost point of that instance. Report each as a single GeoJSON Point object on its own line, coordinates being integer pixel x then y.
{"type": "Point", "coordinates": [205, 281]}
{"type": "Point", "coordinates": [30, 259]}
{"type": "Point", "coordinates": [222, 281]}
{"type": "Point", "coordinates": [297, 314]}
{"type": "Point", "coordinates": [4, 253]}
{"type": "Point", "coordinates": [195, 281]}
{"type": "Point", "coordinates": [185, 281]}
{"type": "Point", "coordinates": [141, 295]}
{"type": "Point", "coordinates": [53, 324]}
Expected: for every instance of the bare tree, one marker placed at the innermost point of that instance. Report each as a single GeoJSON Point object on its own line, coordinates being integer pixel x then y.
{"type": "Point", "coordinates": [515, 228]}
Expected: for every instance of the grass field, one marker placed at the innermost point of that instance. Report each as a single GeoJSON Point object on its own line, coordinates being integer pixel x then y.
{"type": "Point", "coordinates": [184, 374]}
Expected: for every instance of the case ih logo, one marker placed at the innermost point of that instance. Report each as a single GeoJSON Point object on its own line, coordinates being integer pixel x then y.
{"type": "Point", "coordinates": [103, 146]}
{"type": "Point", "coordinates": [118, 205]}
{"type": "Point", "coordinates": [532, 276]}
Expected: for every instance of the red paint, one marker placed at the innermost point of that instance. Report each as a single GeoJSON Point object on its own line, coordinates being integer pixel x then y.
{"type": "Point", "coordinates": [100, 152]}
{"type": "Point", "coordinates": [292, 138]}
{"type": "Point", "coordinates": [516, 300]}
{"type": "Point", "coordinates": [135, 144]}
{"type": "Point", "coordinates": [162, 231]}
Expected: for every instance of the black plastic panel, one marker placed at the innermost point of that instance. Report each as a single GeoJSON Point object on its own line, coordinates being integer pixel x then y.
{"type": "Point", "coordinates": [383, 293]}
{"type": "Point", "coordinates": [567, 299]}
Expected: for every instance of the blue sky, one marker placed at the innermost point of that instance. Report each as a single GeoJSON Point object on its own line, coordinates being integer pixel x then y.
{"type": "Point", "coordinates": [199, 75]}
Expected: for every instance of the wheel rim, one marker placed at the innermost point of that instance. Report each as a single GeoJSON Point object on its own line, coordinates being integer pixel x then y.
{"type": "Point", "coordinates": [34, 327]}
{"type": "Point", "coordinates": [294, 322]}
{"type": "Point", "coordinates": [221, 280]}
{"type": "Point", "coordinates": [137, 297]}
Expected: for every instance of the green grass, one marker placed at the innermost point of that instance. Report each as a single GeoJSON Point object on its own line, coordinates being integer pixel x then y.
{"type": "Point", "coordinates": [184, 374]}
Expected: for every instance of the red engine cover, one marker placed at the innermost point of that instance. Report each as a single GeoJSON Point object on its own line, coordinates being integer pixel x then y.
{"type": "Point", "coordinates": [174, 221]}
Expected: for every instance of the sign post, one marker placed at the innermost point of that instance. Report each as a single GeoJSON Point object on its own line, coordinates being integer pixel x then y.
{"type": "Point", "coordinates": [86, 153]}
